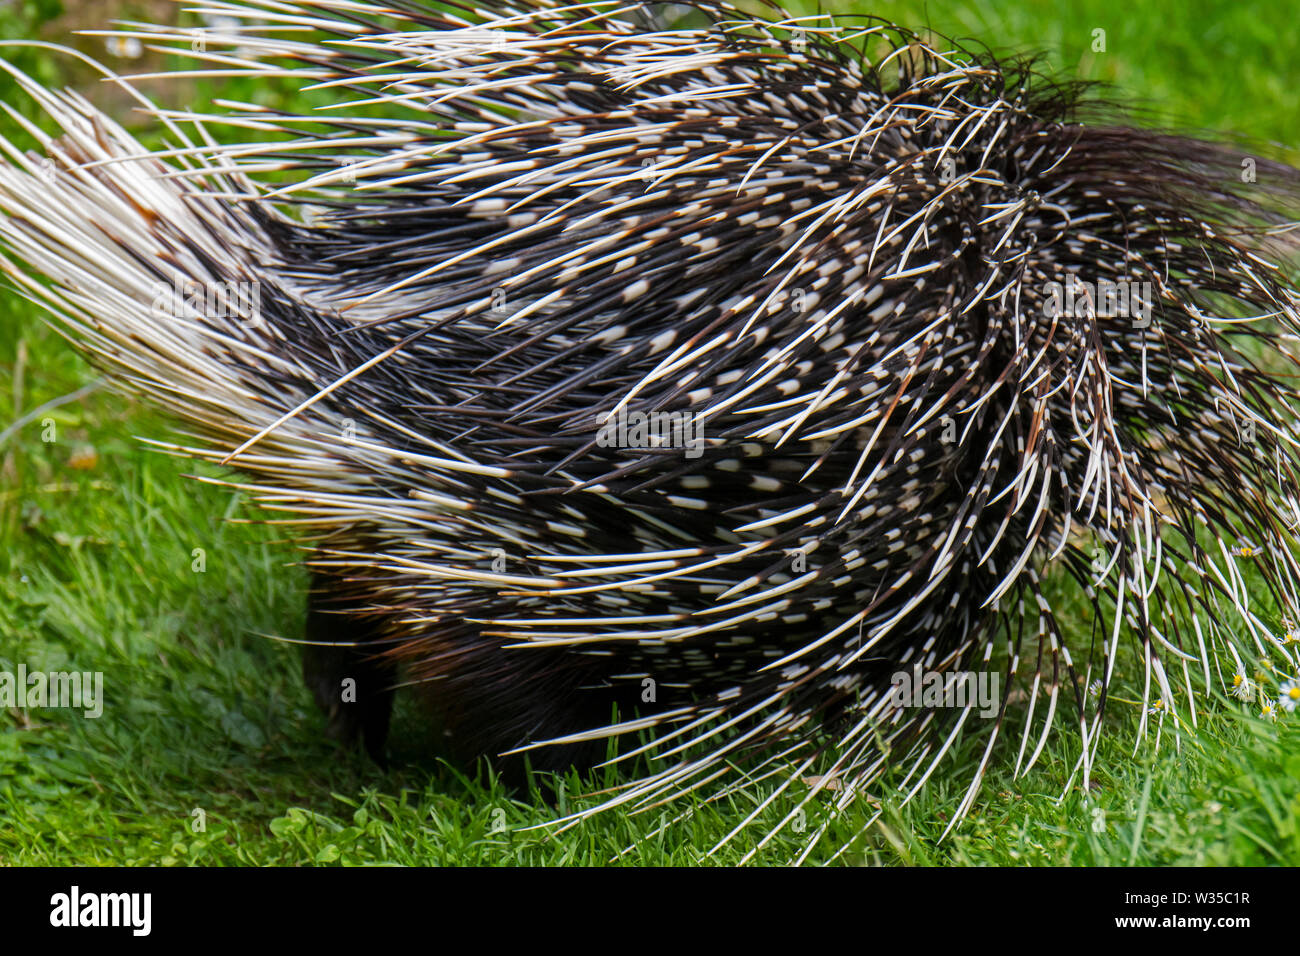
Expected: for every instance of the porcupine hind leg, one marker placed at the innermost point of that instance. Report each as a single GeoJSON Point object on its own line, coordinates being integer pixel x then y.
{"type": "Point", "coordinates": [337, 652]}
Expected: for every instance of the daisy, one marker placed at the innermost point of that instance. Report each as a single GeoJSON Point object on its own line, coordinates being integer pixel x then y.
{"type": "Point", "coordinates": [1288, 695]}
{"type": "Point", "coordinates": [1243, 688]}
{"type": "Point", "coordinates": [129, 48]}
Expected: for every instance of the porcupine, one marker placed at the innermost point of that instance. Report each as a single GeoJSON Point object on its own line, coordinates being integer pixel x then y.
{"type": "Point", "coordinates": [845, 256]}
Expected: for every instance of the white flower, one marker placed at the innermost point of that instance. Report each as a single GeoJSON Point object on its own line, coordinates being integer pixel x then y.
{"type": "Point", "coordinates": [128, 48]}
{"type": "Point", "coordinates": [1267, 710]}
{"type": "Point", "coordinates": [1288, 695]}
{"type": "Point", "coordinates": [1243, 688]}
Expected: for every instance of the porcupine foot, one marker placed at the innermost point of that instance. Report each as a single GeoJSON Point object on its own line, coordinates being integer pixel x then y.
{"type": "Point", "coordinates": [337, 653]}
{"type": "Point", "coordinates": [355, 688]}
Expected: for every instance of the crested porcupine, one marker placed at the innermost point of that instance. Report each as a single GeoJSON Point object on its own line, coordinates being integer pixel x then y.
{"type": "Point", "coordinates": [711, 378]}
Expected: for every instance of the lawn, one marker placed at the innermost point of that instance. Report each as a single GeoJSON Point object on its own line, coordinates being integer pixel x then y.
{"type": "Point", "coordinates": [209, 749]}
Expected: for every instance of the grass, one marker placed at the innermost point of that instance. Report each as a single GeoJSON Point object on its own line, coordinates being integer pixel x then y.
{"type": "Point", "coordinates": [208, 750]}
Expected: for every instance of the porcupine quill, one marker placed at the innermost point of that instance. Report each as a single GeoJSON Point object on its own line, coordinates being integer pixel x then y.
{"type": "Point", "coordinates": [877, 276]}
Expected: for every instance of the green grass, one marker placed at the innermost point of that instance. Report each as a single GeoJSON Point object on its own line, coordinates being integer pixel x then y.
{"type": "Point", "coordinates": [204, 712]}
